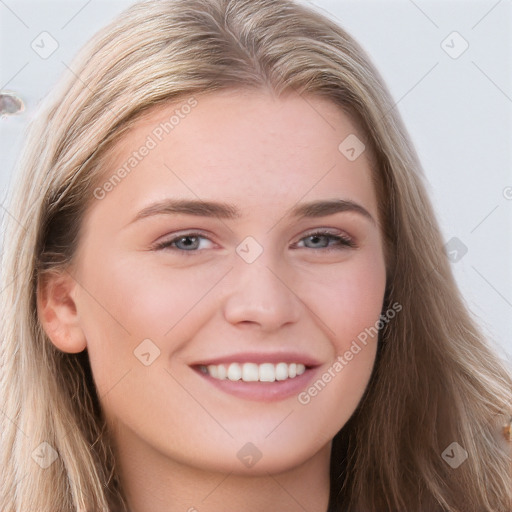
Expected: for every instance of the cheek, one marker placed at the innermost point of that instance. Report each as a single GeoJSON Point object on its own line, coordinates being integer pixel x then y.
{"type": "Point", "coordinates": [129, 300]}
{"type": "Point", "coordinates": [348, 298]}
{"type": "Point", "coordinates": [144, 295]}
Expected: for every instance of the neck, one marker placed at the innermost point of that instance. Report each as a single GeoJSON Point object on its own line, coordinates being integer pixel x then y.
{"type": "Point", "coordinates": [152, 481]}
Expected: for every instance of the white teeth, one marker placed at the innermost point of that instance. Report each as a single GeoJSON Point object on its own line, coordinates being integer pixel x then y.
{"type": "Point", "coordinates": [281, 371]}
{"type": "Point", "coordinates": [234, 371]}
{"type": "Point", "coordinates": [267, 372]}
{"type": "Point", "coordinates": [221, 372]}
{"type": "Point", "coordinates": [249, 372]}
{"type": "Point", "coordinates": [252, 372]}
{"type": "Point", "coordinates": [213, 371]}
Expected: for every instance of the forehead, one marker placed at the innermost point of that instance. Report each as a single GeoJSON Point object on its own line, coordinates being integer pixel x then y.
{"type": "Point", "coordinates": [248, 147]}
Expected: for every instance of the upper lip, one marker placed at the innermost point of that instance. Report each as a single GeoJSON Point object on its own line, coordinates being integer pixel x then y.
{"type": "Point", "coordinates": [260, 358]}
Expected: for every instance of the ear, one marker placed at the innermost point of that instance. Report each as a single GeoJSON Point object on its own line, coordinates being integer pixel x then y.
{"type": "Point", "coordinates": [57, 311]}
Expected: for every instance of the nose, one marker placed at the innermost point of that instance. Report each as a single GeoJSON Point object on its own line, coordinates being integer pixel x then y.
{"type": "Point", "coordinates": [261, 295]}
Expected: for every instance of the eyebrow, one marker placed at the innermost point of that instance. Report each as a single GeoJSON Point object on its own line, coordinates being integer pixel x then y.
{"type": "Point", "coordinates": [220, 210]}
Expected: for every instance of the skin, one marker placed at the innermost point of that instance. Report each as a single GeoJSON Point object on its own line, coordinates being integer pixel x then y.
{"type": "Point", "coordinates": [176, 436]}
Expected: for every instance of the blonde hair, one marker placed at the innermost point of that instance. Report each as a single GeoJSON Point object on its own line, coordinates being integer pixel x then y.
{"type": "Point", "coordinates": [436, 379]}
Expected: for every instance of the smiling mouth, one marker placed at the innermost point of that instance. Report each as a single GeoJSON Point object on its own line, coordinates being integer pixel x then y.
{"type": "Point", "coordinates": [253, 372]}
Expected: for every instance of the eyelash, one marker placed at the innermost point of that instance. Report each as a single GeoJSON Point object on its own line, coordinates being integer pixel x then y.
{"type": "Point", "coordinates": [343, 242]}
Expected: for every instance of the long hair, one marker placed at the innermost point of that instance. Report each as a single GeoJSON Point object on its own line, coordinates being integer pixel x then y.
{"type": "Point", "coordinates": [436, 380]}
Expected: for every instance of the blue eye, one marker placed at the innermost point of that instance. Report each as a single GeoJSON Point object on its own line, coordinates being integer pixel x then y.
{"type": "Point", "coordinates": [323, 239]}
{"type": "Point", "coordinates": [191, 242]}
{"type": "Point", "coordinates": [187, 242]}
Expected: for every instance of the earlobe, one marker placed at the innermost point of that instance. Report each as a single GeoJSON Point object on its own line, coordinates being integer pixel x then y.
{"type": "Point", "coordinates": [57, 312]}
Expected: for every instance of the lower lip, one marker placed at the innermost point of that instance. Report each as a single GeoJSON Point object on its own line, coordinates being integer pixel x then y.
{"type": "Point", "coordinates": [263, 391]}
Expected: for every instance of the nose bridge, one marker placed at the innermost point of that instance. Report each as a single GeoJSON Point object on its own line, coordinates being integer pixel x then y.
{"type": "Point", "coordinates": [260, 292]}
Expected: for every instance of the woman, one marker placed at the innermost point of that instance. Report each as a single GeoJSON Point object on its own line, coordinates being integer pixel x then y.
{"type": "Point", "coordinates": [229, 289]}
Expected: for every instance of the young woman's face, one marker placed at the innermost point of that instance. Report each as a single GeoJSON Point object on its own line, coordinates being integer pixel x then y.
{"type": "Point", "coordinates": [214, 247]}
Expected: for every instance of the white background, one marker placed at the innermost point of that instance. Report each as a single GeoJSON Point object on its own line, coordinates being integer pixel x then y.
{"type": "Point", "coordinates": [458, 112]}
